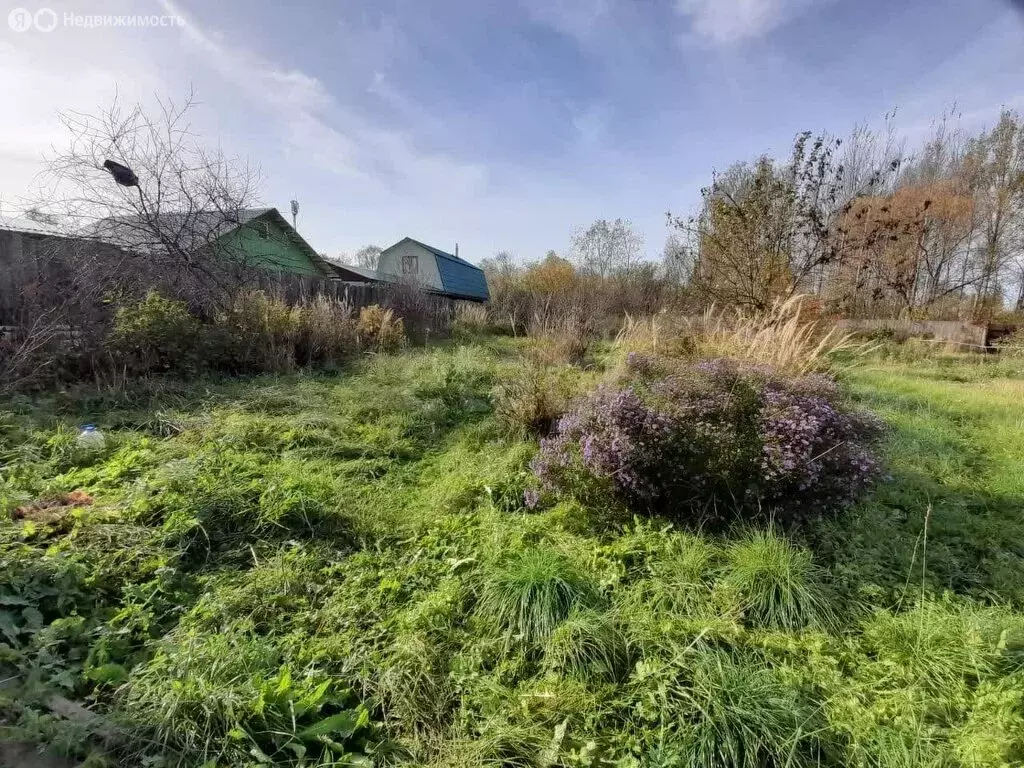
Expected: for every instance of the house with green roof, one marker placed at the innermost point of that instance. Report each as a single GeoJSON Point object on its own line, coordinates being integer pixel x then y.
{"type": "Point", "coordinates": [257, 237]}
{"type": "Point", "coordinates": [435, 270]}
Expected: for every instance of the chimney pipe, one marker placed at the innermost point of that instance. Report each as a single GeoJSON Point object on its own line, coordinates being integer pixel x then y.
{"type": "Point", "coordinates": [456, 250]}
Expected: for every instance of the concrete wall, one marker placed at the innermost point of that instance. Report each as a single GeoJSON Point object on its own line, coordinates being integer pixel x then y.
{"type": "Point", "coordinates": [391, 264]}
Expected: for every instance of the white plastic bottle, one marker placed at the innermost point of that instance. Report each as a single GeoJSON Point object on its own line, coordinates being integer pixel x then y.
{"type": "Point", "coordinates": [91, 438]}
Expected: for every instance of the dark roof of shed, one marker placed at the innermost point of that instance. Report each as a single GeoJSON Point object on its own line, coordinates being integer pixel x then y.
{"type": "Point", "coordinates": [355, 273]}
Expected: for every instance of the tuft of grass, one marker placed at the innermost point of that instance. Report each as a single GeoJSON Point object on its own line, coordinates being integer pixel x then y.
{"type": "Point", "coordinates": [528, 596]}
{"type": "Point", "coordinates": [499, 744]}
{"type": "Point", "coordinates": [590, 645]}
{"type": "Point", "coordinates": [775, 583]}
{"type": "Point", "coordinates": [414, 684]}
{"type": "Point", "coordinates": [728, 711]}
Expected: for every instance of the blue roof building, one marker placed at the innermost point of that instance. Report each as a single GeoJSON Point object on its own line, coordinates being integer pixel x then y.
{"type": "Point", "coordinates": [436, 270]}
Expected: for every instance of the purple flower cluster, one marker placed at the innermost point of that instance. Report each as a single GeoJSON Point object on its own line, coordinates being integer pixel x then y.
{"type": "Point", "coordinates": [718, 434]}
{"type": "Point", "coordinates": [610, 437]}
{"type": "Point", "coordinates": [809, 444]}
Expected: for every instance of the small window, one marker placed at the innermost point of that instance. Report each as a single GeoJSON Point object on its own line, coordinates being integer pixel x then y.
{"type": "Point", "coordinates": [263, 230]}
{"type": "Point", "coordinates": [410, 264]}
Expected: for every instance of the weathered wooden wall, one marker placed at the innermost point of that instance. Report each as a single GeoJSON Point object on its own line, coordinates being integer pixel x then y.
{"type": "Point", "coordinates": [969, 335]}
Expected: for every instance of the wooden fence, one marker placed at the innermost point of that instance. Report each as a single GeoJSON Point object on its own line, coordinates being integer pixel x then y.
{"type": "Point", "coordinates": [71, 280]}
{"type": "Point", "coordinates": [966, 335]}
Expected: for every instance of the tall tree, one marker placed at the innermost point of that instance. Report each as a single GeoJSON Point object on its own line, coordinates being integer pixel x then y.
{"type": "Point", "coordinates": [994, 166]}
{"type": "Point", "coordinates": [743, 236]}
{"type": "Point", "coordinates": [368, 256]}
{"type": "Point", "coordinates": [766, 232]}
{"type": "Point", "coordinates": [677, 260]}
{"type": "Point", "coordinates": [903, 251]}
{"type": "Point", "coordinates": [606, 247]}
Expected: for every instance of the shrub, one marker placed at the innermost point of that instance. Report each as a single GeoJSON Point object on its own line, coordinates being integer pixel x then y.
{"type": "Point", "coordinates": [470, 320]}
{"type": "Point", "coordinates": [529, 596]}
{"type": "Point", "coordinates": [157, 334]}
{"type": "Point", "coordinates": [1012, 345]}
{"type": "Point", "coordinates": [258, 333]}
{"type": "Point", "coordinates": [781, 337]}
{"type": "Point", "coordinates": [326, 331]}
{"type": "Point", "coordinates": [715, 437]}
{"type": "Point", "coordinates": [561, 339]}
{"type": "Point", "coordinates": [380, 329]}
{"type": "Point", "coordinates": [532, 399]}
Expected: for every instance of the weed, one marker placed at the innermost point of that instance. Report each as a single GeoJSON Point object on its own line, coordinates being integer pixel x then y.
{"type": "Point", "coordinates": [380, 329]}
{"type": "Point", "coordinates": [532, 399]}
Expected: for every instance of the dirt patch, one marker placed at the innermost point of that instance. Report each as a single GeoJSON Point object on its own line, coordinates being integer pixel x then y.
{"type": "Point", "coordinates": [52, 511]}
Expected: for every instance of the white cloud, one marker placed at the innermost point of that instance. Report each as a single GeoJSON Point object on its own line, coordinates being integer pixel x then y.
{"type": "Point", "coordinates": [322, 131]}
{"type": "Point", "coordinates": [591, 124]}
{"type": "Point", "coordinates": [724, 22]}
{"type": "Point", "coordinates": [43, 74]}
{"type": "Point", "coordinates": [577, 19]}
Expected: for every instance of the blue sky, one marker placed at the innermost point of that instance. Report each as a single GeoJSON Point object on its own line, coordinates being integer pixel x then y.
{"type": "Point", "coordinates": [508, 125]}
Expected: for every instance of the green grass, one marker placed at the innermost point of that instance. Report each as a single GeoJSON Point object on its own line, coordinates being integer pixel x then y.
{"type": "Point", "coordinates": [952, 510]}
{"type": "Point", "coordinates": [775, 583]}
{"type": "Point", "coordinates": [338, 570]}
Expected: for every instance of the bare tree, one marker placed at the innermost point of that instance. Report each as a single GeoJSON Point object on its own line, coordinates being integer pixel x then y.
{"type": "Point", "coordinates": [768, 231]}
{"type": "Point", "coordinates": [994, 166]}
{"type": "Point", "coordinates": [677, 260]}
{"type": "Point", "coordinates": [368, 256]}
{"type": "Point", "coordinates": [607, 247]}
{"type": "Point", "coordinates": [501, 265]}
{"type": "Point", "coordinates": [144, 183]}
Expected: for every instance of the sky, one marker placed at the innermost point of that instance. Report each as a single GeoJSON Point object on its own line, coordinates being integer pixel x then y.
{"type": "Point", "coordinates": [502, 125]}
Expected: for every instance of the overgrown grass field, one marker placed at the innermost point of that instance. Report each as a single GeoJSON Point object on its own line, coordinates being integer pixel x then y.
{"type": "Point", "coordinates": [342, 570]}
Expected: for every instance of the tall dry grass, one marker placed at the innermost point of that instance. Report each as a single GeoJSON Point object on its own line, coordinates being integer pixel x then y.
{"type": "Point", "coordinates": [781, 337]}
{"type": "Point", "coordinates": [561, 338]}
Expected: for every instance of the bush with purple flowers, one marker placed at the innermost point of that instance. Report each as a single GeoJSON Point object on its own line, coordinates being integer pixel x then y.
{"type": "Point", "coordinates": [712, 439]}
